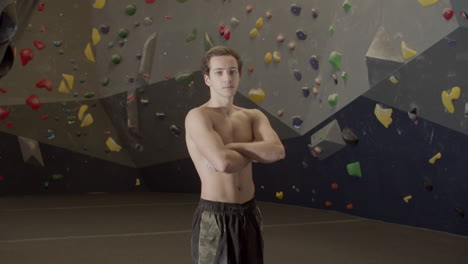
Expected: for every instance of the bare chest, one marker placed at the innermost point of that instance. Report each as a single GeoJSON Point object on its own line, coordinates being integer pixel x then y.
{"type": "Point", "coordinates": [235, 128]}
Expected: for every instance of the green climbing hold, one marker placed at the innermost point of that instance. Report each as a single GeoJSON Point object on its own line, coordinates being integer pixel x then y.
{"type": "Point", "coordinates": [335, 59]}
{"type": "Point", "coordinates": [333, 99]}
{"type": "Point", "coordinates": [344, 75]}
{"type": "Point", "coordinates": [354, 169]}
{"type": "Point", "coordinates": [192, 36]}
{"type": "Point", "coordinates": [105, 81]}
{"type": "Point", "coordinates": [130, 10]}
{"type": "Point", "coordinates": [71, 119]}
{"type": "Point", "coordinates": [208, 42]}
{"type": "Point", "coordinates": [57, 176]}
{"type": "Point", "coordinates": [346, 5]}
{"type": "Point", "coordinates": [123, 32]}
{"type": "Point", "coordinates": [110, 44]}
{"type": "Point", "coordinates": [181, 1]}
{"type": "Point", "coordinates": [185, 78]}
{"type": "Point", "coordinates": [116, 58]}
{"type": "Point", "coordinates": [331, 30]}
{"type": "Point", "coordinates": [89, 95]}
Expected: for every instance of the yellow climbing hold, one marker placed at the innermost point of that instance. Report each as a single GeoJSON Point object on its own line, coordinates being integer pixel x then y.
{"type": "Point", "coordinates": [448, 97]}
{"type": "Point", "coordinates": [99, 4]}
{"type": "Point", "coordinates": [407, 52]}
{"type": "Point", "coordinates": [137, 183]}
{"type": "Point", "coordinates": [276, 56]}
{"type": "Point", "coordinates": [407, 198]}
{"type": "Point", "coordinates": [279, 195]}
{"type": "Point", "coordinates": [253, 33]}
{"type": "Point", "coordinates": [87, 121]}
{"type": "Point", "coordinates": [427, 2]}
{"type": "Point", "coordinates": [259, 23]}
{"type": "Point", "coordinates": [65, 87]}
{"type": "Point", "coordinates": [268, 58]}
{"type": "Point", "coordinates": [112, 146]}
{"type": "Point", "coordinates": [383, 115]}
{"type": "Point", "coordinates": [82, 111]}
{"type": "Point", "coordinates": [393, 79]}
{"type": "Point", "coordinates": [256, 95]}
{"type": "Point", "coordinates": [96, 36]}
{"type": "Point", "coordinates": [89, 53]}
{"type": "Point", "coordinates": [436, 157]}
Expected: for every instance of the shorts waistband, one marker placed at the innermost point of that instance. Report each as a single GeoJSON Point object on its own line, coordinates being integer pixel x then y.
{"type": "Point", "coordinates": [222, 207]}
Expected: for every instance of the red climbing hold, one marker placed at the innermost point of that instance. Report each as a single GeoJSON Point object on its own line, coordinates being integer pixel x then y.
{"type": "Point", "coordinates": [33, 101]}
{"type": "Point", "coordinates": [1, 178]}
{"type": "Point", "coordinates": [42, 29]}
{"type": "Point", "coordinates": [3, 90]}
{"type": "Point", "coordinates": [44, 117]}
{"type": "Point", "coordinates": [150, 1]}
{"type": "Point", "coordinates": [4, 113]}
{"type": "Point", "coordinates": [26, 55]}
{"type": "Point", "coordinates": [39, 45]}
{"type": "Point", "coordinates": [41, 6]}
{"type": "Point", "coordinates": [168, 17]}
{"type": "Point", "coordinates": [167, 77]}
{"type": "Point", "coordinates": [45, 83]}
{"type": "Point", "coordinates": [334, 186]}
{"type": "Point", "coordinates": [9, 124]}
{"type": "Point", "coordinates": [350, 206]}
{"type": "Point", "coordinates": [448, 13]}
{"type": "Point", "coordinates": [222, 29]}
{"type": "Point", "coordinates": [227, 34]}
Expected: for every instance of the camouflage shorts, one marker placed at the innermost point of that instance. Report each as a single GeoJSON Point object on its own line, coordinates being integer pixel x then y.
{"type": "Point", "coordinates": [227, 233]}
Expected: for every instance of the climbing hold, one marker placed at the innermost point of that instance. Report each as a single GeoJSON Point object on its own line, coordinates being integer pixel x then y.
{"type": "Point", "coordinates": [297, 75]}
{"type": "Point", "coordinates": [344, 76]}
{"type": "Point", "coordinates": [427, 2]}
{"type": "Point", "coordinates": [161, 116]}
{"type": "Point", "coordinates": [40, 6]}
{"type": "Point", "coordinates": [182, 1]}
{"type": "Point", "coordinates": [305, 91]}
{"type": "Point", "coordinates": [57, 176]}
{"type": "Point", "coordinates": [148, 20]}
{"type": "Point", "coordinates": [99, 4]}
{"type": "Point", "coordinates": [87, 121]}
{"type": "Point", "coordinates": [82, 111]}
{"type": "Point", "coordinates": [4, 113]}
{"type": "Point", "coordinates": [436, 157]}
{"type": "Point", "coordinates": [112, 145]}
{"type": "Point", "coordinates": [393, 79]}
{"type": "Point", "coordinates": [383, 115]}
{"type": "Point", "coordinates": [314, 13]}
{"type": "Point", "coordinates": [346, 5]}
{"type": "Point", "coordinates": [448, 97]}
{"type": "Point", "coordinates": [291, 45]}
{"type": "Point", "coordinates": [466, 110]}
{"type": "Point", "coordinates": [175, 130]}
{"type": "Point", "coordinates": [354, 169]}
{"type": "Point", "coordinates": [130, 10]}
{"type": "Point", "coordinates": [314, 62]}
{"type": "Point", "coordinates": [328, 203]}
{"type": "Point", "coordinates": [335, 60]}
{"type": "Point", "coordinates": [253, 33]}
{"type": "Point", "coordinates": [39, 45]}
{"type": "Point", "coordinates": [104, 28]}
{"type": "Point", "coordinates": [412, 114]}
{"type": "Point", "coordinates": [116, 59]}
{"type": "Point", "coordinates": [192, 36]}
{"type": "Point", "coordinates": [105, 81]}
{"type": "Point", "coordinates": [89, 53]}
{"type": "Point", "coordinates": [428, 185]}
{"type": "Point", "coordinates": [235, 21]}
{"type": "Point", "coordinates": [333, 99]}
{"type": "Point", "coordinates": [280, 112]}
{"type": "Point", "coordinates": [276, 56]}
{"type": "Point", "coordinates": [297, 122]}
{"type": "Point", "coordinates": [221, 29]}
{"type": "Point", "coordinates": [168, 17]}
{"type": "Point", "coordinates": [350, 206]}
{"type": "Point", "coordinates": [464, 14]}
{"type": "Point", "coordinates": [42, 29]}
{"type": "Point", "coordinates": [448, 13]}
{"type": "Point", "coordinates": [58, 43]}
{"type": "Point", "coordinates": [110, 44]}
{"type": "Point", "coordinates": [315, 90]}
{"type": "Point", "coordinates": [335, 78]}
{"type": "Point", "coordinates": [89, 95]}
{"type": "Point", "coordinates": [279, 195]}
{"type": "Point", "coordinates": [123, 33]}
{"type": "Point", "coordinates": [82, 79]}
{"type": "Point", "coordinates": [71, 120]}
{"type": "Point", "coordinates": [185, 78]}
{"type": "Point", "coordinates": [45, 83]}
{"type": "Point", "coordinates": [268, 14]}
{"type": "Point", "coordinates": [349, 136]}
{"type": "Point", "coordinates": [318, 81]}
{"type": "Point", "coordinates": [95, 36]}
{"type": "Point", "coordinates": [207, 41]}
{"type": "Point", "coordinates": [137, 182]}
{"type": "Point", "coordinates": [407, 52]}
{"type": "Point", "coordinates": [331, 30]}
{"type": "Point", "coordinates": [334, 186]}
{"type": "Point", "coordinates": [9, 124]}
{"type": "Point", "coordinates": [460, 212]}
{"type": "Point", "coordinates": [280, 38]}
{"type": "Point", "coordinates": [61, 51]}
{"type": "Point", "coordinates": [295, 9]}
{"type": "Point", "coordinates": [301, 35]}
{"type": "Point", "coordinates": [250, 68]}
{"type": "Point", "coordinates": [3, 90]}
{"type": "Point", "coordinates": [256, 95]}
{"type": "Point", "coordinates": [268, 58]}
{"type": "Point", "coordinates": [33, 101]}
{"type": "Point", "coordinates": [407, 198]}
{"type": "Point", "coordinates": [26, 55]}
{"type": "Point", "coordinates": [227, 34]}
{"type": "Point", "coordinates": [259, 23]}
{"type": "Point", "coordinates": [248, 8]}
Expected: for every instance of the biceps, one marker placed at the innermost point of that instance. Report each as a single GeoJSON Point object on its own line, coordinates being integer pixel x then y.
{"type": "Point", "coordinates": [209, 144]}
{"type": "Point", "coordinates": [263, 130]}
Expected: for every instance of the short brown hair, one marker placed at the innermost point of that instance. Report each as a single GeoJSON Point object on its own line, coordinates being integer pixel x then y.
{"type": "Point", "coordinates": [219, 51]}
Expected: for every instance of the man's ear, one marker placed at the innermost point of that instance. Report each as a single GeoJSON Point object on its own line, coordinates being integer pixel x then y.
{"type": "Point", "coordinates": [207, 79]}
{"type": "Point", "coordinates": [240, 73]}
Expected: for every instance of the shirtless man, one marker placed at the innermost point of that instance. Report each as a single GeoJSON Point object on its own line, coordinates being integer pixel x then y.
{"type": "Point", "coordinates": [223, 140]}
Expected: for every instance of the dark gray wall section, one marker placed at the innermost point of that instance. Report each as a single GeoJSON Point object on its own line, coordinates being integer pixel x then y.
{"type": "Point", "coordinates": [460, 5]}
{"type": "Point", "coordinates": [422, 81]}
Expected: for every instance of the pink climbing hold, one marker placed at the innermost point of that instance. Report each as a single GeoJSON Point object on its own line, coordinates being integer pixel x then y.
{"type": "Point", "coordinates": [448, 13]}
{"type": "Point", "coordinates": [45, 83]}
{"type": "Point", "coordinates": [39, 45]}
{"type": "Point", "coordinates": [4, 113]}
{"type": "Point", "coordinates": [33, 101]}
{"type": "Point", "coordinates": [26, 55]}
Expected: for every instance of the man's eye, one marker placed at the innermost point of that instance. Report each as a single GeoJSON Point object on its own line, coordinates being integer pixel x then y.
{"type": "Point", "coordinates": [233, 71]}
{"type": "Point", "coordinates": [219, 72]}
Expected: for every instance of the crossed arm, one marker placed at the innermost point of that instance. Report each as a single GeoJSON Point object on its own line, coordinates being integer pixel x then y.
{"type": "Point", "coordinates": [233, 157]}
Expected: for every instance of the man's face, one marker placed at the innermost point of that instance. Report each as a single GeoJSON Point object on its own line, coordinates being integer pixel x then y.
{"type": "Point", "coordinates": [223, 78]}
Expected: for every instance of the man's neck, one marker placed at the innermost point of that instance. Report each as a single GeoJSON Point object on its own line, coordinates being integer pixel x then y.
{"type": "Point", "coordinates": [225, 104]}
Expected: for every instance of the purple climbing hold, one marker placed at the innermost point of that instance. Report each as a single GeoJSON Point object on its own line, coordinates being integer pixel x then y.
{"type": "Point", "coordinates": [314, 14]}
{"type": "Point", "coordinates": [295, 9]}
{"type": "Point", "coordinates": [297, 122]}
{"type": "Point", "coordinates": [451, 42]}
{"type": "Point", "coordinates": [104, 28]}
{"type": "Point", "coordinates": [301, 35]}
{"type": "Point", "coordinates": [314, 62]}
{"type": "Point", "coordinates": [297, 75]}
{"type": "Point", "coordinates": [306, 91]}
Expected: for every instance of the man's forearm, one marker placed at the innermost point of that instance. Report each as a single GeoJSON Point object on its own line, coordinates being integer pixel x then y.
{"type": "Point", "coordinates": [232, 161]}
{"type": "Point", "coordinates": [262, 151]}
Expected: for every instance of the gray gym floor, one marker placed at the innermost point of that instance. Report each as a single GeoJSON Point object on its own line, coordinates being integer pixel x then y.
{"type": "Point", "coordinates": [156, 228]}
